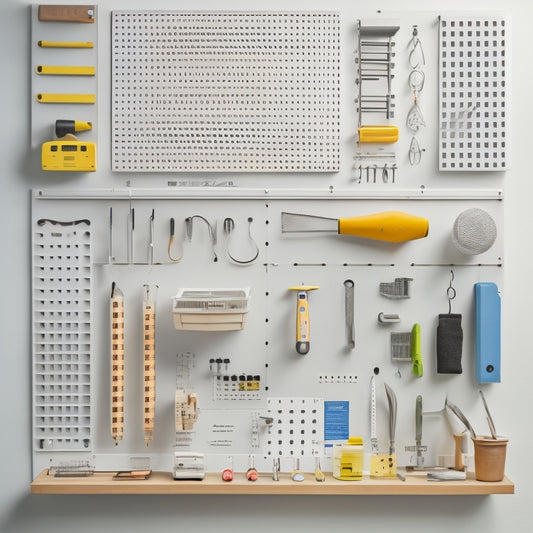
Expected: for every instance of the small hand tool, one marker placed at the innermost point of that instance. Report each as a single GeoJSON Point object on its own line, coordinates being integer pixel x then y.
{"type": "Point", "coordinates": [459, 414]}
{"type": "Point", "coordinates": [319, 475]}
{"type": "Point", "coordinates": [275, 469]}
{"type": "Point", "coordinates": [303, 326]}
{"type": "Point", "coordinates": [418, 447]}
{"type": "Point", "coordinates": [393, 409]}
{"type": "Point", "coordinates": [349, 313]}
{"type": "Point", "coordinates": [489, 417]}
{"type": "Point", "coordinates": [151, 241]}
{"type": "Point", "coordinates": [389, 226]}
{"type": "Point", "coordinates": [297, 474]}
{"type": "Point", "coordinates": [171, 241]}
{"type": "Point", "coordinates": [416, 351]}
{"type": "Point", "coordinates": [63, 127]}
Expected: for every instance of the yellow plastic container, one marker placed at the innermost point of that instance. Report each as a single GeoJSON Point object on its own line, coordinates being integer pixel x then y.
{"type": "Point", "coordinates": [348, 460]}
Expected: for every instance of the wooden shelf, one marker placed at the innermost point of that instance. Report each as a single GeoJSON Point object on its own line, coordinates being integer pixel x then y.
{"type": "Point", "coordinates": [163, 483]}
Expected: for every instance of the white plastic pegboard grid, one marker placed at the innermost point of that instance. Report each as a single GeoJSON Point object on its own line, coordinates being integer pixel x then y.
{"type": "Point", "coordinates": [225, 91]}
{"type": "Point", "coordinates": [62, 341]}
{"type": "Point", "coordinates": [473, 94]}
{"type": "Point", "coordinates": [297, 428]}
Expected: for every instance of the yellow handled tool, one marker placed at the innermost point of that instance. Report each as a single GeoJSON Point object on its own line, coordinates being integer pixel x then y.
{"type": "Point", "coordinates": [65, 98]}
{"type": "Point", "coordinates": [65, 44]}
{"type": "Point", "coordinates": [390, 226]}
{"type": "Point", "coordinates": [303, 326]}
{"type": "Point", "coordinates": [378, 134]}
{"type": "Point", "coordinates": [64, 70]}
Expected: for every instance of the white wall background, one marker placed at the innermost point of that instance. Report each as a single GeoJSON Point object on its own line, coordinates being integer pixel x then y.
{"type": "Point", "coordinates": [21, 512]}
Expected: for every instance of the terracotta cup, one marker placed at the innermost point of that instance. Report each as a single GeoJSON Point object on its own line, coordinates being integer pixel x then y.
{"type": "Point", "coordinates": [489, 458]}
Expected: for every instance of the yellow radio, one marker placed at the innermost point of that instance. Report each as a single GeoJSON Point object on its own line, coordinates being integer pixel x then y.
{"type": "Point", "coordinates": [65, 155]}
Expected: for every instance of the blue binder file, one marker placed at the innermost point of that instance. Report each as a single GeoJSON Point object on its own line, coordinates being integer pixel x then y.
{"type": "Point", "coordinates": [488, 332]}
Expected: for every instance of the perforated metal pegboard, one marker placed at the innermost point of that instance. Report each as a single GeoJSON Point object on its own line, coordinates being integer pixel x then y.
{"type": "Point", "coordinates": [225, 91]}
{"type": "Point", "coordinates": [62, 335]}
{"type": "Point", "coordinates": [473, 96]}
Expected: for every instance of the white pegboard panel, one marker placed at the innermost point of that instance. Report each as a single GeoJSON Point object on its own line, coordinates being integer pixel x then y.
{"type": "Point", "coordinates": [297, 428]}
{"type": "Point", "coordinates": [62, 355]}
{"type": "Point", "coordinates": [474, 93]}
{"type": "Point", "coordinates": [225, 91]}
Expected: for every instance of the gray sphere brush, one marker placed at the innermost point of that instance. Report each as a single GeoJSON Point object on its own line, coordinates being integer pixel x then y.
{"type": "Point", "coordinates": [474, 231]}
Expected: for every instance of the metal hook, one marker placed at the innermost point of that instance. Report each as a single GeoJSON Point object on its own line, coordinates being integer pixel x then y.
{"type": "Point", "coordinates": [417, 52]}
{"type": "Point", "coordinates": [450, 292]}
{"type": "Point", "coordinates": [415, 153]}
{"type": "Point", "coordinates": [211, 229]}
{"type": "Point", "coordinates": [229, 226]}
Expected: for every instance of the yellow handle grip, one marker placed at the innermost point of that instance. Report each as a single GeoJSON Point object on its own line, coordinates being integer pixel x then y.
{"type": "Point", "coordinates": [390, 226]}
{"type": "Point", "coordinates": [302, 324]}
{"type": "Point", "coordinates": [378, 134]}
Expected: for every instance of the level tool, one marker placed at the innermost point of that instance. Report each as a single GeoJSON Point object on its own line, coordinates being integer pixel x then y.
{"type": "Point", "coordinates": [64, 70]}
{"type": "Point", "coordinates": [65, 98]}
{"type": "Point", "coordinates": [65, 44]}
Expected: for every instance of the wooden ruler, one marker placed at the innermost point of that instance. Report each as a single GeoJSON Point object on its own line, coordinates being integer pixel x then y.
{"type": "Point", "coordinates": [117, 364]}
{"type": "Point", "coordinates": [149, 365]}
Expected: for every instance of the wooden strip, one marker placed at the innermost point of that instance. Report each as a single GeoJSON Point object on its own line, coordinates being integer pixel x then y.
{"type": "Point", "coordinates": [163, 483]}
{"type": "Point", "coordinates": [149, 370]}
{"type": "Point", "coordinates": [117, 367]}
{"type": "Point", "coordinates": [58, 13]}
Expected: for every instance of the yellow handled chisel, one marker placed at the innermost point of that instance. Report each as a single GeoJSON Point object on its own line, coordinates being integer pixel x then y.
{"type": "Point", "coordinates": [390, 226]}
{"type": "Point", "coordinates": [303, 325]}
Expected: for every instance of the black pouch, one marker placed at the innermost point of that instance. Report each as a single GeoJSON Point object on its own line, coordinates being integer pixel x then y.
{"type": "Point", "coordinates": [449, 344]}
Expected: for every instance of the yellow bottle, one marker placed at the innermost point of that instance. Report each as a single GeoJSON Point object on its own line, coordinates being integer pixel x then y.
{"type": "Point", "coordinates": [348, 460]}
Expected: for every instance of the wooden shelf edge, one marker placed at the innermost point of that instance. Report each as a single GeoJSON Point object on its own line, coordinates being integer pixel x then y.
{"type": "Point", "coordinates": [163, 483]}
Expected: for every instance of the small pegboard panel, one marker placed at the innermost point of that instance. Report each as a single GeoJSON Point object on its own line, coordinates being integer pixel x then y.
{"type": "Point", "coordinates": [225, 91]}
{"type": "Point", "coordinates": [473, 94]}
{"type": "Point", "coordinates": [297, 428]}
{"type": "Point", "coordinates": [62, 335]}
